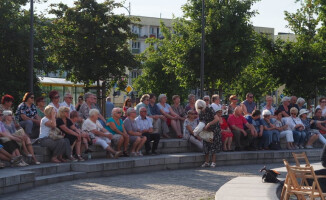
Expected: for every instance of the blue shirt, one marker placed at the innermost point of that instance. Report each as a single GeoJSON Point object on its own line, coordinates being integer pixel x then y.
{"type": "Point", "coordinates": [108, 109]}
{"type": "Point", "coordinates": [154, 109]}
{"type": "Point", "coordinates": [256, 123]}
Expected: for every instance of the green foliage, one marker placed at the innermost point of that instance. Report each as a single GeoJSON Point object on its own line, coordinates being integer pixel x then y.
{"type": "Point", "coordinates": [90, 42]}
{"type": "Point", "coordinates": [155, 79]}
{"type": "Point", "coordinates": [14, 49]}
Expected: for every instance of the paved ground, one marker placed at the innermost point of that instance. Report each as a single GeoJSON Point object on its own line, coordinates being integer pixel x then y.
{"type": "Point", "coordinates": [175, 184]}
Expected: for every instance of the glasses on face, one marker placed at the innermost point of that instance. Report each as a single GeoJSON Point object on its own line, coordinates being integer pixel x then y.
{"type": "Point", "coordinates": [31, 97]}
{"type": "Point", "coordinates": [234, 99]}
{"type": "Point", "coordinates": [143, 111]}
{"type": "Point", "coordinates": [119, 112]}
{"type": "Point", "coordinates": [57, 97]}
{"type": "Point", "coordinates": [146, 100]}
{"type": "Point", "coordinates": [293, 113]}
{"type": "Point", "coordinates": [206, 99]}
{"type": "Point", "coordinates": [69, 97]}
{"type": "Point", "coordinates": [323, 101]}
{"type": "Point", "coordinates": [250, 97]}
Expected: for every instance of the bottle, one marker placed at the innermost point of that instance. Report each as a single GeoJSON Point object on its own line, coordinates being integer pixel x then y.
{"type": "Point", "coordinates": [89, 156]}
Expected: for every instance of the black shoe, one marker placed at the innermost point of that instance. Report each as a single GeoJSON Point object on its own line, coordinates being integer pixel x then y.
{"type": "Point", "coordinates": [237, 149]}
{"type": "Point", "coordinates": [148, 153]}
{"type": "Point", "coordinates": [125, 154]}
{"type": "Point", "coordinates": [155, 153]}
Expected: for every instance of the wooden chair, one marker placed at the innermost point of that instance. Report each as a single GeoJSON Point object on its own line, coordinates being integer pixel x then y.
{"type": "Point", "coordinates": [300, 156]}
{"type": "Point", "coordinates": [310, 188]}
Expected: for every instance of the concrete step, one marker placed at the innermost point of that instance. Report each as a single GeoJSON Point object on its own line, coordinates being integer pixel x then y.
{"type": "Point", "coordinates": [60, 177]}
{"type": "Point", "coordinates": [47, 168]}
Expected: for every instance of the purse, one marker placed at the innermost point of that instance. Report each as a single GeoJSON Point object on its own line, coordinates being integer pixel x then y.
{"type": "Point", "coordinates": [55, 134]}
{"type": "Point", "coordinates": [204, 135]}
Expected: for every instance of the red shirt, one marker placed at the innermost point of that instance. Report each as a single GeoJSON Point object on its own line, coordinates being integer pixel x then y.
{"type": "Point", "coordinates": [238, 121]}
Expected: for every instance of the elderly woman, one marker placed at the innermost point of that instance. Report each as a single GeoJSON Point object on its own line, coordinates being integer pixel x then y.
{"type": "Point", "coordinates": [270, 133]}
{"type": "Point", "coordinates": [284, 130]}
{"type": "Point", "coordinates": [115, 126]}
{"type": "Point", "coordinates": [40, 105]}
{"type": "Point", "coordinates": [191, 103]}
{"type": "Point", "coordinates": [233, 104]}
{"type": "Point", "coordinates": [297, 127]}
{"type": "Point", "coordinates": [19, 136]}
{"type": "Point", "coordinates": [207, 99]}
{"type": "Point", "coordinates": [312, 134]}
{"type": "Point", "coordinates": [284, 108]}
{"type": "Point", "coordinates": [269, 106]}
{"type": "Point", "coordinates": [173, 118]}
{"type": "Point", "coordinates": [322, 106]}
{"type": "Point", "coordinates": [300, 103]}
{"type": "Point", "coordinates": [188, 129]}
{"type": "Point", "coordinates": [211, 120]}
{"type": "Point", "coordinates": [178, 108]}
{"type": "Point", "coordinates": [58, 147]}
{"type": "Point", "coordinates": [54, 100]}
{"type": "Point", "coordinates": [9, 144]}
{"type": "Point", "coordinates": [98, 134]}
{"type": "Point", "coordinates": [226, 132]}
{"type": "Point", "coordinates": [6, 102]}
{"type": "Point", "coordinates": [70, 131]}
{"type": "Point", "coordinates": [135, 135]}
{"type": "Point", "coordinates": [26, 115]}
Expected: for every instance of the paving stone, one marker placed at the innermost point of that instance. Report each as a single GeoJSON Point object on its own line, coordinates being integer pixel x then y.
{"type": "Point", "coordinates": [9, 189]}
{"type": "Point", "coordinates": [12, 180]}
{"type": "Point", "coordinates": [110, 166]}
{"type": "Point", "coordinates": [28, 177]}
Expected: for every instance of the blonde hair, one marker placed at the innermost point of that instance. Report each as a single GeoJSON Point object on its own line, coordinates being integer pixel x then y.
{"type": "Point", "coordinates": [294, 109]}
{"type": "Point", "coordinates": [48, 111]}
{"type": "Point", "coordinates": [61, 111]}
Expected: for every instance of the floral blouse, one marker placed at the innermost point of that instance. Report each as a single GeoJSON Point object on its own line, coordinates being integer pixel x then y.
{"type": "Point", "coordinates": [30, 112]}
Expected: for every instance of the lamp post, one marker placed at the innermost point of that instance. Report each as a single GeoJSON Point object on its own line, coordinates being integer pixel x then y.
{"type": "Point", "coordinates": [202, 56]}
{"type": "Point", "coordinates": [31, 48]}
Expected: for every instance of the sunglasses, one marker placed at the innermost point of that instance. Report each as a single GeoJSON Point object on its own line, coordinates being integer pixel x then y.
{"type": "Point", "coordinates": [31, 97]}
{"type": "Point", "coordinates": [206, 99]}
{"type": "Point", "coordinates": [251, 97]}
{"type": "Point", "coordinates": [119, 112]}
{"type": "Point", "coordinates": [234, 99]}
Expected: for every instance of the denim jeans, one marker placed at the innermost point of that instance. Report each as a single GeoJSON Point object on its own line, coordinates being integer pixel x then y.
{"type": "Point", "coordinates": [299, 137]}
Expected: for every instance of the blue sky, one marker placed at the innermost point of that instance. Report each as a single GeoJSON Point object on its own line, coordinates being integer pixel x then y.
{"type": "Point", "coordinates": [271, 12]}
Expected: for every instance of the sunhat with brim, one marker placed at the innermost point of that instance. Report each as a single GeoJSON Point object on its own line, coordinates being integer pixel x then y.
{"type": "Point", "coordinates": [266, 112]}
{"type": "Point", "coordinates": [303, 111]}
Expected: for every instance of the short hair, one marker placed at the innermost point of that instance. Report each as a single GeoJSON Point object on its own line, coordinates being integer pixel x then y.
{"type": "Point", "coordinates": [87, 95]}
{"type": "Point", "coordinates": [300, 100]}
{"type": "Point", "coordinates": [317, 109]}
{"type": "Point", "coordinates": [7, 98]}
{"type": "Point", "coordinates": [108, 98]}
{"type": "Point", "coordinates": [52, 94]}
{"type": "Point", "coordinates": [48, 110]}
{"type": "Point", "coordinates": [39, 99]}
{"type": "Point", "coordinates": [285, 99]}
{"type": "Point", "coordinates": [232, 96]}
{"type": "Point", "coordinates": [206, 96]}
{"type": "Point", "coordinates": [61, 111]}
{"type": "Point", "coordinates": [200, 104]}
{"type": "Point", "coordinates": [215, 97]}
{"type": "Point", "coordinates": [255, 113]}
{"type": "Point", "coordinates": [160, 97]}
{"type": "Point", "coordinates": [151, 95]}
{"type": "Point", "coordinates": [144, 97]}
{"type": "Point", "coordinates": [81, 97]}
{"type": "Point", "coordinates": [268, 97]}
{"type": "Point", "coordinates": [323, 98]}
{"type": "Point", "coordinates": [66, 94]}
{"type": "Point", "coordinates": [294, 109]}
{"type": "Point", "coordinates": [130, 110]}
{"type": "Point", "coordinates": [142, 108]}
{"type": "Point", "coordinates": [93, 112]}
{"type": "Point", "coordinates": [191, 96]}
{"type": "Point", "coordinates": [115, 109]}
{"type": "Point", "coordinates": [249, 93]}
{"type": "Point", "coordinates": [74, 114]}
{"type": "Point", "coordinates": [175, 96]}
{"type": "Point", "coordinates": [277, 112]}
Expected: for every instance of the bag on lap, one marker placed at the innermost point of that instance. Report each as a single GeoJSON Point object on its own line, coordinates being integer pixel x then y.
{"type": "Point", "coordinates": [204, 135]}
{"type": "Point", "coordinates": [55, 134]}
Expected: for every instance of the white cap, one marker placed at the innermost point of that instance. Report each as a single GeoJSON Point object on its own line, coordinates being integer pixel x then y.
{"type": "Point", "coordinates": [266, 112]}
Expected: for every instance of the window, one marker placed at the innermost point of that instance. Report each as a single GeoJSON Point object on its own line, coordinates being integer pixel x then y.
{"type": "Point", "coordinates": [135, 45]}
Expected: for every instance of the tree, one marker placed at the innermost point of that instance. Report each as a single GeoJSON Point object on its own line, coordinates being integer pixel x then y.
{"type": "Point", "coordinates": [154, 78]}
{"type": "Point", "coordinates": [14, 49]}
{"type": "Point", "coordinates": [229, 42]}
{"type": "Point", "coordinates": [300, 64]}
{"type": "Point", "coordinates": [90, 43]}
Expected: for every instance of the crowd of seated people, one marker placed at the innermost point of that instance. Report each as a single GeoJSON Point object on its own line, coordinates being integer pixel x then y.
{"type": "Point", "coordinates": [68, 130]}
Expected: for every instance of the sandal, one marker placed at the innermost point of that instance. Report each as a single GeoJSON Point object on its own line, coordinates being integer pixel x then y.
{"type": "Point", "coordinates": [118, 154]}
{"type": "Point", "coordinates": [213, 164]}
{"type": "Point", "coordinates": [80, 159]}
{"type": "Point", "coordinates": [2, 165]}
{"type": "Point", "coordinates": [55, 160]}
{"type": "Point", "coordinates": [206, 164]}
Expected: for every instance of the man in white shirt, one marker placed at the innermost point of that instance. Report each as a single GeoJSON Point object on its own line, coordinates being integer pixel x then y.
{"type": "Point", "coordinates": [67, 102]}
{"type": "Point", "coordinates": [145, 126]}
